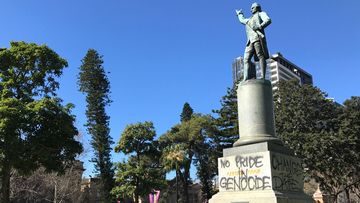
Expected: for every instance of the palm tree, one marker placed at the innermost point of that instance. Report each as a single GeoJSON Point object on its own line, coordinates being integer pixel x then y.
{"type": "Point", "coordinates": [173, 157]}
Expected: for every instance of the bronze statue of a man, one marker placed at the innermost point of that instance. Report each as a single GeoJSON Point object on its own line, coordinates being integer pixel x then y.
{"type": "Point", "coordinates": [256, 42]}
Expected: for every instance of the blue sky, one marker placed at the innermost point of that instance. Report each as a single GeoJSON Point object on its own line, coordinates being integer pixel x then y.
{"type": "Point", "coordinates": [163, 53]}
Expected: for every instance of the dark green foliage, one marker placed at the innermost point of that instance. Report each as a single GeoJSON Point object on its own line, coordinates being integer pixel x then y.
{"type": "Point", "coordinates": [141, 174]}
{"type": "Point", "coordinates": [301, 112]}
{"type": "Point", "coordinates": [186, 113]}
{"type": "Point", "coordinates": [324, 134]}
{"type": "Point", "coordinates": [206, 165]}
{"type": "Point", "coordinates": [227, 121]}
{"type": "Point", "coordinates": [138, 177]}
{"type": "Point", "coordinates": [349, 135]}
{"type": "Point", "coordinates": [95, 84]}
{"type": "Point", "coordinates": [36, 129]}
{"type": "Point", "coordinates": [194, 138]}
{"type": "Point", "coordinates": [137, 138]}
{"type": "Point", "coordinates": [350, 124]}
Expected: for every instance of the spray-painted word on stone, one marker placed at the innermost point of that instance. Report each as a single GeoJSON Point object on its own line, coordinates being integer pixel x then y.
{"type": "Point", "coordinates": [286, 173]}
{"type": "Point", "coordinates": [260, 171]}
{"type": "Point", "coordinates": [245, 172]}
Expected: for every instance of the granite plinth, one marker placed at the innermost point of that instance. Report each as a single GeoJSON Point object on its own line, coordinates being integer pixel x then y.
{"type": "Point", "coordinates": [260, 173]}
{"type": "Point", "coordinates": [256, 112]}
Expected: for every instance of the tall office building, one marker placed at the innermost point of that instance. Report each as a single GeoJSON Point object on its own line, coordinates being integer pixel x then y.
{"type": "Point", "coordinates": [278, 68]}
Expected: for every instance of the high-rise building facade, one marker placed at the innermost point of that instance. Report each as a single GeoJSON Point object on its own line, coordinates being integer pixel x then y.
{"type": "Point", "coordinates": [278, 68]}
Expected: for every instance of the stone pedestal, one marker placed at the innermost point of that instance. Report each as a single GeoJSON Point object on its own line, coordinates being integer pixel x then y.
{"type": "Point", "coordinates": [258, 169]}
{"type": "Point", "coordinates": [260, 173]}
{"type": "Point", "coordinates": [256, 112]}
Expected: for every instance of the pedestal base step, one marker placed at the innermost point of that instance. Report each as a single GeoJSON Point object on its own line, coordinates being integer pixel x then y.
{"type": "Point", "coordinates": [260, 197]}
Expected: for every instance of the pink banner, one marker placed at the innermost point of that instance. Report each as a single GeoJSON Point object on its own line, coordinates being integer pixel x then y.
{"type": "Point", "coordinates": [157, 196]}
{"type": "Point", "coordinates": [154, 198]}
{"type": "Point", "coordinates": [151, 198]}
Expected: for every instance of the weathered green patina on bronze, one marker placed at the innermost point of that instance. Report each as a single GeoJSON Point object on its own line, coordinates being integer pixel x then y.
{"type": "Point", "coordinates": [256, 41]}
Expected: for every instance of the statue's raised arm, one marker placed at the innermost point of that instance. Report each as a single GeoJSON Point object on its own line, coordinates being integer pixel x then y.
{"type": "Point", "coordinates": [256, 42]}
{"type": "Point", "coordinates": [241, 17]}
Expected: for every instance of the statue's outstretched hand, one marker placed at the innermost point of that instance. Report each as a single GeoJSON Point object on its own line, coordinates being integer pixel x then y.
{"type": "Point", "coordinates": [239, 12]}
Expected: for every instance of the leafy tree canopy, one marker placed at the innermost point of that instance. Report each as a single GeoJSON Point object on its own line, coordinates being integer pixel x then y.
{"type": "Point", "coordinates": [321, 132]}
{"type": "Point", "coordinates": [137, 138]}
{"type": "Point", "coordinates": [141, 174]}
{"type": "Point", "coordinates": [190, 138]}
{"type": "Point", "coordinates": [35, 128]}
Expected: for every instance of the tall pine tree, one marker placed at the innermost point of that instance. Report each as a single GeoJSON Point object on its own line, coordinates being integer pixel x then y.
{"type": "Point", "coordinates": [95, 84]}
{"type": "Point", "coordinates": [186, 113]}
{"type": "Point", "coordinates": [227, 121]}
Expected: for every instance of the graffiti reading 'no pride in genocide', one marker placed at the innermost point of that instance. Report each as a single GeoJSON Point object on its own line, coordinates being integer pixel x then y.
{"type": "Point", "coordinates": [258, 172]}
{"type": "Point", "coordinates": [239, 173]}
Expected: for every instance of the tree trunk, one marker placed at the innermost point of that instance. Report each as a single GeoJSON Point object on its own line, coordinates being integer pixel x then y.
{"type": "Point", "coordinates": [187, 176]}
{"type": "Point", "coordinates": [186, 181]}
{"type": "Point", "coordinates": [5, 182]}
{"type": "Point", "coordinates": [55, 193]}
{"type": "Point", "coordinates": [335, 198]}
{"type": "Point", "coordinates": [136, 198]}
{"type": "Point", "coordinates": [137, 181]}
{"type": "Point", "coordinates": [347, 192]}
{"type": "Point", "coordinates": [185, 198]}
{"type": "Point", "coordinates": [177, 184]}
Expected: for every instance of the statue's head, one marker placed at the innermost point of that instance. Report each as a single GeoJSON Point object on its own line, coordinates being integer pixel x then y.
{"type": "Point", "coordinates": [255, 7]}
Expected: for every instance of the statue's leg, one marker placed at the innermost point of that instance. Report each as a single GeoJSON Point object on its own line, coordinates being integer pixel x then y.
{"type": "Point", "coordinates": [252, 71]}
{"type": "Point", "coordinates": [262, 61]}
{"type": "Point", "coordinates": [249, 53]}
